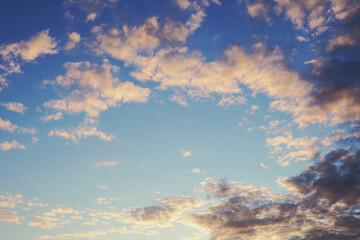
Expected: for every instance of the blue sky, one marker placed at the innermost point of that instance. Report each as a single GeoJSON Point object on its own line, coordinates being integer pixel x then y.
{"type": "Point", "coordinates": [179, 119]}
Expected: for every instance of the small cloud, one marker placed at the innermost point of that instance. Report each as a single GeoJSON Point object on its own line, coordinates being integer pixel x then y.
{"type": "Point", "coordinates": [73, 39]}
{"type": "Point", "coordinates": [91, 17]}
{"type": "Point", "coordinates": [34, 140]}
{"type": "Point", "coordinates": [103, 186]}
{"type": "Point", "coordinates": [186, 153]}
{"type": "Point", "coordinates": [157, 192]}
{"type": "Point", "coordinates": [6, 146]}
{"type": "Point", "coordinates": [106, 164]}
{"type": "Point", "coordinates": [52, 117]}
{"type": "Point", "coordinates": [14, 106]}
{"type": "Point", "coordinates": [195, 170]}
{"type": "Point", "coordinates": [262, 165]}
{"type": "Point", "coordinates": [301, 39]}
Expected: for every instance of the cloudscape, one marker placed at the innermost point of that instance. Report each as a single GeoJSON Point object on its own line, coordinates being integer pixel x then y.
{"type": "Point", "coordinates": [180, 119]}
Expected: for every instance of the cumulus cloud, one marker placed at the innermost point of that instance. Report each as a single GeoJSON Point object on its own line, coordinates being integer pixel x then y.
{"type": "Point", "coordinates": [297, 149]}
{"type": "Point", "coordinates": [73, 39]}
{"type": "Point", "coordinates": [80, 132]}
{"type": "Point", "coordinates": [52, 117]}
{"type": "Point", "coordinates": [95, 89]}
{"type": "Point", "coordinates": [10, 216]}
{"type": "Point", "coordinates": [6, 146]}
{"type": "Point", "coordinates": [6, 125]}
{"type": "Point", "coordinates": [14, 106]}
{"type": "Point", "coordinates": [259, 10]}
{"type": "Point", "coordinates": [39, 44]}
{"type": "Point", "coordinates": [186, 153]}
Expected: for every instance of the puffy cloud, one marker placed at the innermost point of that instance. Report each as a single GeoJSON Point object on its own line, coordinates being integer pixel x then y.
{"type": "Point", "coordinates": [52, 117]}
{"type": "Point", "coordinates": [96, 90]}
{"type": "Point", "coordinates": [10, 216]}
{"type": "Point", "coordinates": [44, 222]}
{"type": "Point", "coordinates": [129, 42]}
{"type": "Point", "coordinates": [333, 179]}
{"type": "Point", "coordinates": [163, 214]}
{"type": "Point", "coordinates": [91, 17]}
{"type": "Point", "coordinates": [73, 39]}
{"type": "Point", "coordinates": [39, 44]}
{"type": "Point", "coordinates": [14, 106]}
{"type": "Point", "coordinates": [6, 146]}
{"type": "Point", "coordinates": [262, 165]}
{"type": "Point", "coordinates": [81, 131]}
{"type": "Point", "coordinates": [8, 200]}
{"type": "Point", "coordinates": [298, 149]}
{"type": "Point", "coordinates": [186, 153]}
{"type": "Point", "coordinates": [34, 139]}
{"type": "Point", "coordinates": [259, 9]}
{"type": "Point", "coordinates": [226, 101]}
{"type": "Point", "coordinates": [6, 125]}
{"type": "Point", "coordinates": [106, 164]}
{"type": "Point", "coordinates": [195, 170]}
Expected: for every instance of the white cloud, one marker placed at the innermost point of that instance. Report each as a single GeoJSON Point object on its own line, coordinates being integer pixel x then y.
{"type": "Point", "coordinates": [106, 164]}
{"type": "Point", "coordinates": [186, 153]}
{"type": "Point", "coordinates": [39, 44]}
{"type": "Point", "coordinates": [195, 170]}
{"type": "Point", "coordinates": [103, 186]}
{"type": "Point", "coordinates": [95, 89]}
{"type": "Point", "coordinates": [262, 165]}
{"type": "Point", "coordinates": [52, 117]}
{"type": "Point", "coordinates": [73, 39]}
{"type": "Point", "coordinates": [6, 125]}
{"type": "Point", "coordinates": [34, 140]}
{"type": "Point", "coordinates": [6, 146]}
{"type": "Point", "coordinates": [14, 106]}
{"type": "Point", "coordinates": [81, 131]}
{"type": "Point", "coordinates": [91, 17]}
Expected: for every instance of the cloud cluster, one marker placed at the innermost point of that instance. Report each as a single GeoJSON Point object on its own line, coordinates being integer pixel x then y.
{"type": "Point", "coordinates": [95, 89]}
{"type": "Point", "coordinates": [15, 53]}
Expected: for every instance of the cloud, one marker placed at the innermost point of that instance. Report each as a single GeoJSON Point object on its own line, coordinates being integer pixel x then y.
{"type": "Point", "coordinates": [333, 179]}
{"type": "Point", "coordinates": [8, 200]}
{"type": "Point", "coordinates": [10, 216]}
{"type": "Point", "coordinates": [34, 139]}
{"type": "Point", "coordinates": [91, 17]}
{"type": "Point", "coordinates": [227, 101]}
{"type": "Point", "coordinates": [80, 132]}
{"type": "Point", "coordinates": [195, 170]}
{"type": "Point", "coordinates": [186, 153]}
{"type": "Point", "coordinates": [52, 117]}
{"type": "Point", "coordinates": [6, 146]}
{"type": "Point", "coordinates": [73, 39]}
{"type": "Point", "coordinates": [106, 164]}
{"type": "Point", "coordinates": [259, 9]}
{"type": "Point", "coordinates": [44, 222]}
{"type": "Point", "coordinates": [262, 165]}
{"type": "Point", "coordinates": [6, 125]}
{"type": "Point", "coordinates": [298, 149]}
{"type": "Point", "coordinates": [168, 210]}
{"type": "Point", "coordinates": [39, 44]}
{"type": "Point", "coordinates": [103, 186]}
{"type": "Point", "coordinates": [14, 106]}
{"type": "Point", "coordinates": [95, 89]}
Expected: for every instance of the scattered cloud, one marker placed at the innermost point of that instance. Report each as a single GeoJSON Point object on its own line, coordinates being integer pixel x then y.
{"type": "Point", "coordinates": [80, 132]}
{"type": "Point", "coordinates": [73, 39]}
{"type": "Point", "coordinates": [15, 107]}
{"type": "Point", "coordinates": [186, 153]}
{"type": "Point", "coordinates": [6, 146]}
{"type": "Point", "coordinates": [107, 164]}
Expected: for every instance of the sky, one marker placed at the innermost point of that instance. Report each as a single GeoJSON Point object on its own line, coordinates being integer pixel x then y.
{"type": "Point", "coordinates": [180, 119]}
